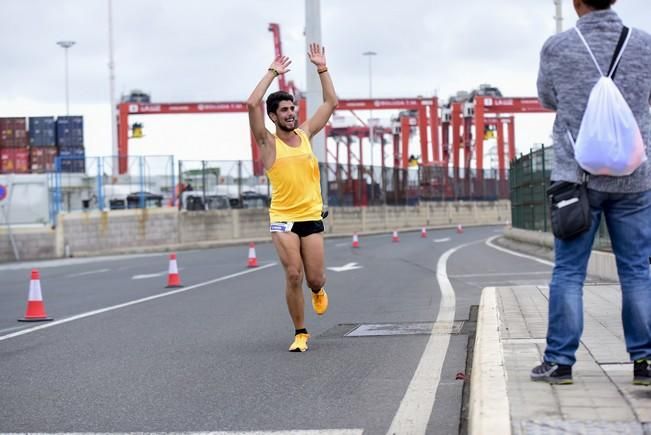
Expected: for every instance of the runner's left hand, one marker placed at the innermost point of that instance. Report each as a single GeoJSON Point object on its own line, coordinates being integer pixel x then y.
{"type": "Point", "coordinates": [317, 55]}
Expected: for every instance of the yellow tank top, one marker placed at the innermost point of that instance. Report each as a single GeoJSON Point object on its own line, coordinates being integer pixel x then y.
{"type": "Point", "coordinates": [295, 183]}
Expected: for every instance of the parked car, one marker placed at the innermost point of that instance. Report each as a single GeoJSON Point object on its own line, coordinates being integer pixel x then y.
{"type": "Point", "coordinates": [150, 200]}
{"type": "Point", "coordinates": [253, 200]}
{"type": "Point", "coordinates": [196, 200]}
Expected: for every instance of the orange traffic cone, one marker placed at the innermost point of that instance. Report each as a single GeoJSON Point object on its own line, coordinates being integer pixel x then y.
{"type": "Point", "coordinates": [35, 307]}
{"type": "Point", "coordinates": [394, 237]}
{"type": "Point", "coordinates": [459, 229]}
{"type": "Point", "coordinates": [253, 261]}
{"type": "Point", "coordinates": [173, 277]}
{"type": "Point", "coordinates": [355, 241]}
{"type": "Point", "coordinates": [423, 233]}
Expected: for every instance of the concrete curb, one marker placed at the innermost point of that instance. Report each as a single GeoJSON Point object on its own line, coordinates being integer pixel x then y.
{"type": "Point", "coordinates": [601, 265]}
{"type": "Point", "coordinates": [489, 404]}
{"type": "Point", "coordinates": [536, 238]}
{"type": "Point", "coordinates": [489, 410]}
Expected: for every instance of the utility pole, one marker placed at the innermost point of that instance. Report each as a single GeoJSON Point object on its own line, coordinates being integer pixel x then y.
{"type": "Point", "coordinates": [370, 55]}
{"type": "Point", "coordinates": [559, 15]}
{"type": "Point", "coordinates": [371, 120]}
{"type": "Point", "coordinates": [314, 94]}
{"type": "Point", "coordinates": [111, 68]}
{"type": "Point", "coordinates": [66, 45]}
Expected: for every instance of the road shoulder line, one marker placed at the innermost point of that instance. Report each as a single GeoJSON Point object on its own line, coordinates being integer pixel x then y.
{"type": "Point", "coordinates": [127, 304]}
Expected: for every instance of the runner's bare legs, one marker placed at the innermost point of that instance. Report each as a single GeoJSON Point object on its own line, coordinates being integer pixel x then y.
{"type": "Point", "coordinates": [288, 247]}
{"type": "Point", "coordinates": [312, 253]}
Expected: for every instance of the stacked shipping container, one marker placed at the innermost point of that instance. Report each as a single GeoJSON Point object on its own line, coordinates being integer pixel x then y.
{"type": "Point", "coordinates": [14, 160]}
{"type": "Point", "coordinates": [42, 141]}
{"type": "Point", "coordinates": [13, 132]}
{"type": "Point", "coordinates": [14, 147]}
{"type": "Point", "coordinates": [70, 140]}
{"type": "Point", "coordinates": [42, 159]}
{"type": "Point", "coordinates": [23, 151]}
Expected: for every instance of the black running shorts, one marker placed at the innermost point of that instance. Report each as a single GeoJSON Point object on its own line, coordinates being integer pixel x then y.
{"type": "Point", "coordinates": [304, 229]}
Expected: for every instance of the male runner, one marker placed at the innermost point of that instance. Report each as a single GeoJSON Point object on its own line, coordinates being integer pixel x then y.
{"type": "Point", "coordinates": [293, 170]}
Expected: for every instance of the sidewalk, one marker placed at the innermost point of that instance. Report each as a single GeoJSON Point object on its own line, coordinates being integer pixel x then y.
{"type": "Point", "coordinates": [509, 343]}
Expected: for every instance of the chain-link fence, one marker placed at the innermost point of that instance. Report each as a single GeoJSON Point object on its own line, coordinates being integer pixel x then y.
{"type": "Point", "coordinates": [219, 184]}
{"type": "Point", "coordinates": [93, 183]}
{"type": "Point", "coordinates": [529, 178]}
{"type": "Point", "coordinates": [206, 184]}
{"type": "Point", "coordinates": [374, 185]}
{"type": "Point", "coordinates": [90, 183]}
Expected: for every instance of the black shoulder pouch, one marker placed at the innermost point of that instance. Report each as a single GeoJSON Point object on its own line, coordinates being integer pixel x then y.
{"type": "Point", "coordinates": [569, 209]}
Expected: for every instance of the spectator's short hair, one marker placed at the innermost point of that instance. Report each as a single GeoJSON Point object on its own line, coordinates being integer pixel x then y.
{"type": "Point", "coordinates": [598, 4]}
{"type": "Point", "coordinates": [274, 99]}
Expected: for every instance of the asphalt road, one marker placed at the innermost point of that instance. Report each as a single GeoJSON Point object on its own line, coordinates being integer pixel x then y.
{"type": "Point", "coordinates": [213, 356]}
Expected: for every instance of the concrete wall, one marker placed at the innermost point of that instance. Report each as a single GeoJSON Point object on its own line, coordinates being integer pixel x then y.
{"type": "Point", "coordinates": [133, 231]}
{"type": "Point", "coordinates": [89, 233]}
{"type": "Point", "coordinates": [31, 243]}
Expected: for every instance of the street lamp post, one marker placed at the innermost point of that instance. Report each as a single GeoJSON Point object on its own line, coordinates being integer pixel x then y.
{"type": "Point", "coordinates": [559, 15]}
{"type": "Point", "coordinates": [370, 55]}
{"type": "Point", "coordinates": [111, 68]}
{"type": "Point", "coordinates": [313, 93]}
{"type": "Point", "coordinates": [66, 45]}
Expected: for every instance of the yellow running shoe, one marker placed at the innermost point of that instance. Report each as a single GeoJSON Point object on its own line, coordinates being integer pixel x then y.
{"type": "Point", "coordinates": [320, 302]}
{"type": "Point", "coordinates": [300, 343]}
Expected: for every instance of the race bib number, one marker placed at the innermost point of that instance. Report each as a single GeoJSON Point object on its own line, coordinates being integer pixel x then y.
{"type": "Point", "coordinates": [281, 227]}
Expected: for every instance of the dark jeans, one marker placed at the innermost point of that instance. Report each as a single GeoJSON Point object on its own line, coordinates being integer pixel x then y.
{"type": "Point", "coordinates": [628, 217]}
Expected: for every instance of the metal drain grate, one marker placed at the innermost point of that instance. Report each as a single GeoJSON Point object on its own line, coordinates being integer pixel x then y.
{"type": "Point", "coordinates": [415, 328]}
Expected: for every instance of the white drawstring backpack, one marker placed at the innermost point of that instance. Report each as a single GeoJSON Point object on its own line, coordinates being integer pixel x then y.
{"type": "Point", "coordinates": [609, 140]}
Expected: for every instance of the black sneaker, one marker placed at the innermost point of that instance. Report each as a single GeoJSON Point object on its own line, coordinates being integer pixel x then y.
{"type": "Point", "coordinates": [553, 373]}
{"type": "Point", "coordinates": [642, 372]}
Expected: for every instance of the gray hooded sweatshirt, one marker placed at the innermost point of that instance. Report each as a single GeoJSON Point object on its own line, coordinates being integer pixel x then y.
{"type": "Point", "coordinates": [567, 75]}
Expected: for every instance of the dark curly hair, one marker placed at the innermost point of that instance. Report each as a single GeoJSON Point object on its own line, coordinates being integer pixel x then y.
{"type": "Point", "coordinates": [274, 99]}
{"type": "Point", "coordinates": [598, 4]}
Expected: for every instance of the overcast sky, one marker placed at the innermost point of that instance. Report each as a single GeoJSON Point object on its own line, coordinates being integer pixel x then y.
{"type": "Point", "coordinates": [214, 50]}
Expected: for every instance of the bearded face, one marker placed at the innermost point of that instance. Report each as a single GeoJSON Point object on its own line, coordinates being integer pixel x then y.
{"type": "Point", "coordinates": [285, 116]}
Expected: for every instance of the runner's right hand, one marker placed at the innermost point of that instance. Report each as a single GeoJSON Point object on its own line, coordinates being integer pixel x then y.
{"type": "Point", "coordinates": [281, 64]}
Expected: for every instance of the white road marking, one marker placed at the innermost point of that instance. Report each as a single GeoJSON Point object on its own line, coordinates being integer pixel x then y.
{"type": "Point", "coordinates": [12, 329]}
{"type": "Point", "coordinates": [339, 245]}
{"type": "Point", "coordinates": [92, 272]}
{"type": "Point", "coordinates": [345, 267]}
{"type": "Point", "coordinates": [149, 275]}
{"type": "Point", "coordinates": [137, 301]}
{"type": "Point", "coordinates": [63, 262]}
{"type": "Point", "coordinates": [417, 404]}
{"type": "Point", "coordinates": [490, 243]}
{"type": "Point", "coordinates": [154, 275]}
{"type": "Point", "coordinates": [444, 239]}
{"type": "Point", "coordinates": [477, 275]}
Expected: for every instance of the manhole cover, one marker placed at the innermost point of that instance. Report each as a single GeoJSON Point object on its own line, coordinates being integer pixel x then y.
{"type": "Point", "coordinates": [417, 328]}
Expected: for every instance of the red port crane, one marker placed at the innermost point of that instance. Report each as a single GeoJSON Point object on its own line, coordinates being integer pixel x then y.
{"type": "Point", "coordinates": [435, 144]}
